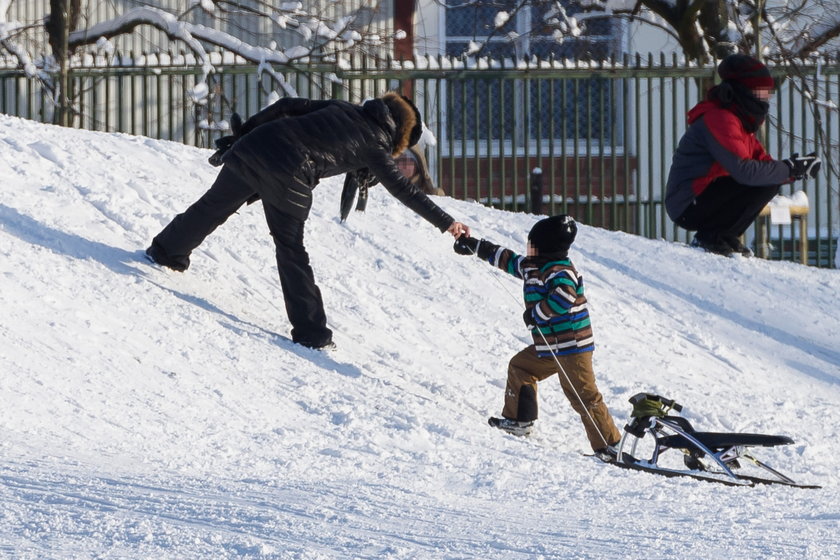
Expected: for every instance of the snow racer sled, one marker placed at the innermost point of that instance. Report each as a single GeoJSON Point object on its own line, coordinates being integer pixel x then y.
{"type": "Point", "coordinates": [708, 456]}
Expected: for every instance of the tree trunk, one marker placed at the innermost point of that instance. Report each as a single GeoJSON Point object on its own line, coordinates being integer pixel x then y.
{"type": "Point", "coordinates": [63, 18]}
{"type": "Point", "coordinates": [404, 48]}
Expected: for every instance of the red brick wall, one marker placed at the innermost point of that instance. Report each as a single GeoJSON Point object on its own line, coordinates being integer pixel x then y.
{"type": "Point", "coordinates": [610, 179]}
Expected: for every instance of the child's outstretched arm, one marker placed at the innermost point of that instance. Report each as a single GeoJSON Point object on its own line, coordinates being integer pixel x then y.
{"type": "Point", "coordinates": [489, 252]}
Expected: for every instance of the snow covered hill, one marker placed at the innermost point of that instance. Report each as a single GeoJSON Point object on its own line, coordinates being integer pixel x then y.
{"type": "Point", "coordinates": [151, 414]}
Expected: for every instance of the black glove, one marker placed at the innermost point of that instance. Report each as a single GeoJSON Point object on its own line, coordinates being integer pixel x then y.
{"type": "Point", "coordinates": [224, 143]}
{"type": "Point", "coordinates": [466, 245]}
{"type": "Point", "coordinates": [802, 167]}
{"type": "Point", "coordinates": [528, 318]}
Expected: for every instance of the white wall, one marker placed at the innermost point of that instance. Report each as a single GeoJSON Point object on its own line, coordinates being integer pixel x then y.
{"type": "Point", "coordinates": [428, 28]}
{"type": "Point", "coordinates": [429, 33]}
{"type": "Point", "coordinates": [643, 38]}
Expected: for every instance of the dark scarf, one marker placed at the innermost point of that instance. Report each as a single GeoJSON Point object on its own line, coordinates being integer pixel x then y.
{"type": "Point", "coordinates": [740, 100]}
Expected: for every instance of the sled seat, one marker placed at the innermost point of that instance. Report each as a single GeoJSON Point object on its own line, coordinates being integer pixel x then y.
{"type": "Point", "coordinates": [650, 415]}
{"type": "Point", "coordinates": [706, 455]}
{"type": "Point", "coordinates": [717, 440]}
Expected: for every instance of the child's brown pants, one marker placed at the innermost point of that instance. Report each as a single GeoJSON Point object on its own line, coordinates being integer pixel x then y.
{"type": "Point", "coordinates": [526, 369]}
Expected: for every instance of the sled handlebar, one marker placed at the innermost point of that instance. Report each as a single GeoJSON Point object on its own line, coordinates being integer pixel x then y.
{"type": "Point", "coordinates": [665, 402]}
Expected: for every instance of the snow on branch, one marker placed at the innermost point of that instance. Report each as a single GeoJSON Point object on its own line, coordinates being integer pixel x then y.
{"type": "Point", "coordinates": [194, 36]}
{"type": "Point", "coordinates": [819, 35]}
{"type": "Point", "coordinates": [20, 54]}
{"type": "Point", "coordinates": [4, 9]}
{"type": "Point", "coordinates": [7, 31]}
{"type": "Point", "coordinates": [609, 5]}
{"type": "Point", "coordinates": [166, 22]}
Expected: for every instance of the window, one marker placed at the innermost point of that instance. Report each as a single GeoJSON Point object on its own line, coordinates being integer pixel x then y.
{"type": "Point", "coordinates": [529, 109]}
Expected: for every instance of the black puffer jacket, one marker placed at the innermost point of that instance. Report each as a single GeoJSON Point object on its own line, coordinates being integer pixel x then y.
{"type": "Point", "coordinates": [287, 148]}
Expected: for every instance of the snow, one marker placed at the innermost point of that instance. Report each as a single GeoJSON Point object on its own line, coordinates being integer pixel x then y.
{"type": "Point", "coordinates": [190, 34]}
{"type": "Point", "coordinates": [199, 93]}
{"type": "Point", "coordinates": [206, 5]}
{"type": "Point", "coordinates": [152, 414]}
{"type": "Point", "coordinates": [798, 199]}
{"type": "Point", "coordinates": [105, 46]}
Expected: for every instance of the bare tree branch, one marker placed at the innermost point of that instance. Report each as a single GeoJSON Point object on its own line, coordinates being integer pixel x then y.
{"type": "Point", "coordinates": [813, 44]}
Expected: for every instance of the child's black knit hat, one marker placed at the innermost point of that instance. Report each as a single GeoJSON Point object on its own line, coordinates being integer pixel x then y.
{"type": "Point", "coordinates": [553, 235]}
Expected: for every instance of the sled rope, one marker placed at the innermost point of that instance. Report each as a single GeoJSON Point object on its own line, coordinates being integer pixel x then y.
{"type": "Point", "coordinates": [557, 361]}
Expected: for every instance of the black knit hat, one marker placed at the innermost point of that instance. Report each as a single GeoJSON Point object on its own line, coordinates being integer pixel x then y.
{"type": "Point", "coordinates": [745, 70]}
{"type": "Point", "coordinates": [553, 235]}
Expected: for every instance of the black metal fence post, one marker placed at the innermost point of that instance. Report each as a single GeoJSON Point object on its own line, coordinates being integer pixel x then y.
{"type": "Point", "coordinates": [536, 190]}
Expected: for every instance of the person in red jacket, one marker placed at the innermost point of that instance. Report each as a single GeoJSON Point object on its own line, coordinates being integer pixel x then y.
{"type": "Point", "coordinates": [721, 176]}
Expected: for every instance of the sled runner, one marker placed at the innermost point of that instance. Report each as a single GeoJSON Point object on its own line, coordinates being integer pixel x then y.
{"type": "Point", "coordinates": [708, 456]}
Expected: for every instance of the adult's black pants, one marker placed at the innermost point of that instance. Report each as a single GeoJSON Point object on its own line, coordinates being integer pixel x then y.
{"type": "Point", "coordinates": [725, 209]}
{"type": "Point", "coordinates": [302, 297]}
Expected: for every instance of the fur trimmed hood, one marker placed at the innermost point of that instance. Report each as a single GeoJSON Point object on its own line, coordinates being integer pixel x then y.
{"type": "Point", "coordinates": [409, 124]}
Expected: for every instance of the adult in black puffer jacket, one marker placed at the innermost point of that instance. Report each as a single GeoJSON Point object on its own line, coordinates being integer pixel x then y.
{"type": "Point", "coordinates": [280, 154]}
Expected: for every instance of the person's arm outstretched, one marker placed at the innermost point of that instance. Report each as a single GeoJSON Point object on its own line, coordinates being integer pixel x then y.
{"type": "Point", "coordinates": [498, 256]}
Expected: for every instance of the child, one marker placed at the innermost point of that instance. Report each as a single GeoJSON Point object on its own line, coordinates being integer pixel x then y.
{"type": "Point", "coordinates": [556, 313]}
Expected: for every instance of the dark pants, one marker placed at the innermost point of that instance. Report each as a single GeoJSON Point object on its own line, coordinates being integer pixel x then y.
{"type": "Point", "coordinates": [188, 230]}
{"type": "Point", "coordinates": [304, 305]}
{"type": "Point", "coordinates": [725, 209]}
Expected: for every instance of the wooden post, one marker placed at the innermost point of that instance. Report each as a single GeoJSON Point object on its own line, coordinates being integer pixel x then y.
{"type": "Point", "coordinates": [761, 242]}
{"type": "Point", "coordinates": [802, 214]}
{"type": "Point", "coordinates": [799, 213]}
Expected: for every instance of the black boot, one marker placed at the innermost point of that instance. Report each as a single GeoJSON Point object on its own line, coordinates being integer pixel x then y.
{"type": "Point", "coordinates": [737, 247]}
{"type": "Point", "coordinates": [158, 256]}
{"type": "Point", "coordinates": [714, 245]}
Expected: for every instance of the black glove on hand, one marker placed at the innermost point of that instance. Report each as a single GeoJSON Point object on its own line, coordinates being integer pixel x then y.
{"type": "Point", "coordinates": [224, 143]}
{"type": "Point", "coordinates": [802, 167]}
{"type": "Point", "coordinates": [528, 318]}
{"type": "Point", "coordinates": [466, 245]}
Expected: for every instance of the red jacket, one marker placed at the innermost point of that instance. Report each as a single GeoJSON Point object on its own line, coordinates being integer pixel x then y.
{"type": "Point", "coordinates": [715, 145]}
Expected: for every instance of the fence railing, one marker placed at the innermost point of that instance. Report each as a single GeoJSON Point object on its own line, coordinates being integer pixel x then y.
{"type": "Point", "coordinates": [593, 140]}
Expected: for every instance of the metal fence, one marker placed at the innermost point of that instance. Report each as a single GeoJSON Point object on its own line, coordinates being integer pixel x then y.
{"type": "Point", "coordinates": [591, 139]}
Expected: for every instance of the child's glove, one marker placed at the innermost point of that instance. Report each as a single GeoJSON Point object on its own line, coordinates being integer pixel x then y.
{"type": "Point", "coordinates": [528, 318]}
{"type": "Point", "coordinates": [800, 166]}
{"type": "Point", "coordinates": [466, 245]}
